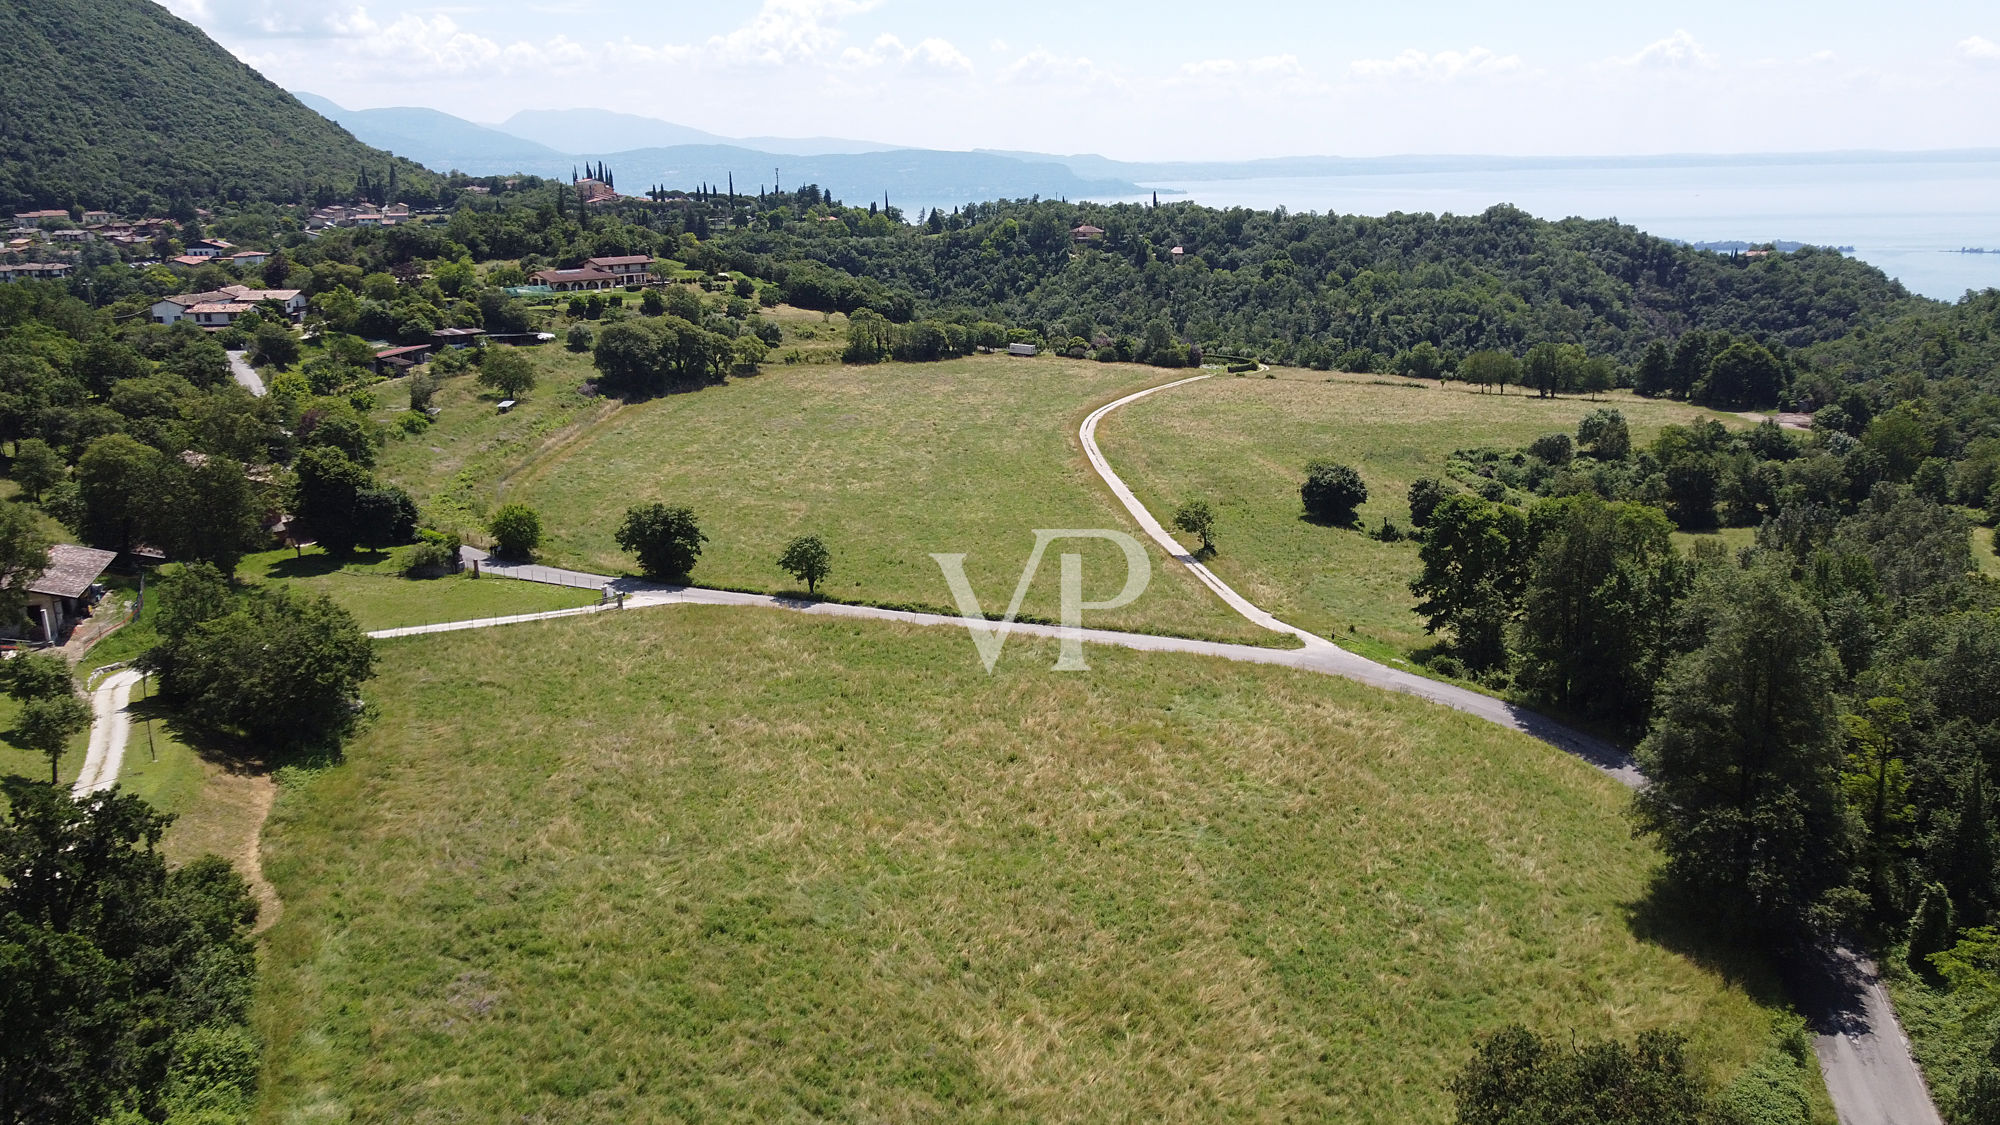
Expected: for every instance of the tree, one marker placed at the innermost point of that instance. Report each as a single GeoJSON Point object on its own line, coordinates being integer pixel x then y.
{"type": "Point", "coordinates": [1656, 370]}
{"type": "Point", "coordinates": [423, 386]}
{"type": "Point", "coordinates": [1604, 434]}
{"type": "Point", "coordinates": [1196, 518]}
{"type": "Point", "coordinates": [108, 960]}
{"type": "Point", "coordinates": [1744, 756]}
{"type": "Point", "coordinates": [1602, 581]}
{"type": "Point", "coordinates": [651, 303]}
{"type": "Point", "coordinates": [326, 495]}
{"type": "Point", "coordinates": [1473, 557]}
{"type": "Point", "coordinates": [579, 339]}
{"type": "Point", "coordinates": [1555, 449]}
{"type": "Point", "coordinates": [207, 512]}
{"type": "Point", "coordinates": [37, 467]}
{"type": "Point", "coordinates": [278, 668]}
{"type": "Point", "coordinates": [1332, 492]}
{"type": "Point", "coordinates": [274, 345]}
{"type": "Point", "coordinates": [24, 555]}
{"type": "Point", "coordinates": [45, 726]}
{"type": "Point", "coordinates": [384, 517]}
{"type": "Point", "coordinates": [1520, 1078]}
{"type": "Point", "coordinates": [516, 531]}
{"type": "Point", "coordinates": [1425, 494]}
{"type": "Point", "coordinates": [119, 480]}
{"type": "Point", "coordinates": [1490, 369]}
{"type": "Point", "coordinates": [51, 712]}
{"type": "Point", "coordinates": [507, 371]}
{"type": "Point", "coordinates": [1742, 375]}
{"type": "Point", "coordinates": [1553, 368]}
{"type": "Point", "coordinates": [667, 540]}
{"type": "Point", "coordinates": [807, 560]}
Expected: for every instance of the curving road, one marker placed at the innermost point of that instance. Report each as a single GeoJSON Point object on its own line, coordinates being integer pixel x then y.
{"type": "Point", "coordinates": [1863, 1054]}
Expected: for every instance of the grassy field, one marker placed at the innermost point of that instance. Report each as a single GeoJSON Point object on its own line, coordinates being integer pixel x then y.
{"type": "Point", "coordinates": [370, 587]}
{"type": "Point", "coordinates": [889, 464]}
{"type": "Point", "coordinates": [739, 865]}
{"type": "Point", "coordinates": [1242, 443]}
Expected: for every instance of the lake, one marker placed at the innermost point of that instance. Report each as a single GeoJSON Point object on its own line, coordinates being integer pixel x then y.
{"type": "Point", "coordinates": [1908, 217]}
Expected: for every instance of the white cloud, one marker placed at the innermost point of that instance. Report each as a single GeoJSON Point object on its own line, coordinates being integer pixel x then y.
{"type": "Point", "coordinates": [1979, 49]}
{"type": "Point", "coordinates": [1443, 66]}
{"type": "Point", "coordinates": [935, 55]}
{"type": "Point", "coordinates": [786, 31]}
{"type": "Point", "coordinates": [1678, 51]}
{"type": "Point", "coordinates": [1044, 66]}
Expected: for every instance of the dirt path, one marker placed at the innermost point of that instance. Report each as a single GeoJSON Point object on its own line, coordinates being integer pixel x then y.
{"type": "Point", "coordinates": [110, 730]}
{"type": "Point", "coordinates": [245, 375]}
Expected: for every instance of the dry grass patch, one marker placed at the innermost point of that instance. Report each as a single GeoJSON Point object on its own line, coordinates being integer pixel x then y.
{"type": "Point", "coordinates": [713, 864]}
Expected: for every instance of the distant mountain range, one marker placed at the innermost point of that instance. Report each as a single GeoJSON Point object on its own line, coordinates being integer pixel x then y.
{"type": "Point", "coordinates": [643, 151]}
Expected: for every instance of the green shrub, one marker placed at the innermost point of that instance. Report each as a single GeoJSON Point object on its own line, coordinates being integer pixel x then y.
{"type": "Point", "coordinates": [1332, 492]}
{"type": "Point", "coordinates": [516, 531]}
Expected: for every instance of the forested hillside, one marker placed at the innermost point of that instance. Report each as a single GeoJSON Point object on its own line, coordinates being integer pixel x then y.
{"type": "Point", "coordinates": [1339, 290]}
{"type": "Point", "coordinates": [118, 104]}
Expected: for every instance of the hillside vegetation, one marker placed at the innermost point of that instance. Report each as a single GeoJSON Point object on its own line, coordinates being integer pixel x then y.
{"type": "Point", "coordinates": [119, 104]}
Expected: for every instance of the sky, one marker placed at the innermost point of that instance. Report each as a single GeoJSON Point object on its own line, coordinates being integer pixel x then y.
{"type": "Point", "coordinates": [1172, 79]}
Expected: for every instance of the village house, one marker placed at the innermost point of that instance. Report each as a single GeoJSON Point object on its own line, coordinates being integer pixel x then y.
{"type": "Point", "coordinates": [398, 361]}
{"type": "Point", "coordinates": [457, 337]}
{"type": "Point", "coordinates": [1087, 233]}
{"type": "Point", "coordinates": [67, 589]}
{"type": "Point", "coordinates": [37, 271]}
{"type": "Point", "coordinates": [40, 218]}
{"type": "Point", "coordinates": [98, 218]}
{"type": "Point", "coordinates": [218, 314]}
{"type": "Point", "coordinates": [168, 310]}
{"type": "Point", "coordinates": [209, 248]}
{"type": "Point", "coordinates": [71, 235]}
{"type": "Point", "coordinates": [250, 257]}
{"type": "Point", "coordinates": [631, 269]}
{"type": "Point", "coordinates": [569, 281]}
{"type": "Point", "coordinates": [191, 261]}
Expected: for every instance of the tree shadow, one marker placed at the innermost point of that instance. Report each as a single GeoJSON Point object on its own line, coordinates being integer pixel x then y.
{"type": "Point", "coordinates": [1679, 920]}
{"type": "Point", "coordinates": [228, 751]}
{"type": "Point", "coordinates": [322, 563]}
{"type": "Point", "coordinates": [1352, 523]}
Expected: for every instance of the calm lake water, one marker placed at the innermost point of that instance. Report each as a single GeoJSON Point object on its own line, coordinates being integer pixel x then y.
{"type": "Point", "coordinates": [1909, 218]}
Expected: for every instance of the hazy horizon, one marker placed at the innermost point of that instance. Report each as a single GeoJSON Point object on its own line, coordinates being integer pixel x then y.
{"type": "Point", "coordinates": [1174, 80]}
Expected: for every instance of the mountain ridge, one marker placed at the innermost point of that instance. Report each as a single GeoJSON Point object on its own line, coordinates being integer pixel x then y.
{"type": "Point", "coordinates": [122, 105]}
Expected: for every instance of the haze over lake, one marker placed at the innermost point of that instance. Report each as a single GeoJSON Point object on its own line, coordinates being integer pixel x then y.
{"type": "Point", "coordinates": [1908, 217]}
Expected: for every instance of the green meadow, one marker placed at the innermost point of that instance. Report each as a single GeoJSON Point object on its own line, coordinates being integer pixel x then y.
{"type": "Point", "coordinates": [737, 865]}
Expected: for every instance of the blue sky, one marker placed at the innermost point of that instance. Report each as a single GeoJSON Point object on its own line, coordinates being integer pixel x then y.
{"type": "Point", "coordinates": [1173, 78]}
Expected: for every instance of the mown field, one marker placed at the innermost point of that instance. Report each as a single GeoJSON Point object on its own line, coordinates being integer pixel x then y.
{"type": "Point", "coordinates": [888, 464]}
{"type": "Point", "coordinates": [715, 864]}
{"type": "Point", "coordinates": [1242, 444]}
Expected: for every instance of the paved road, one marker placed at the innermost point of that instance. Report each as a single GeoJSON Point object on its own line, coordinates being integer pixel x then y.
{"type": "Point", "coordinates": [111, 728]}
{"type": "Point", "coordinates": [1863, 1054]}
{"type": "Point", "coordinates": [246, 376]}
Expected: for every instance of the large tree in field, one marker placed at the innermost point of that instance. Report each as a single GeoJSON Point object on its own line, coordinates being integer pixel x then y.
{"type": "Point", "coordinates": [1745, 754]}
{"type": "Point", "coordinates": [327, 497]}
{"type": "Point", "coordinates": [282, 669]}
{"type": "Point", "coordinates": [666, 539]}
